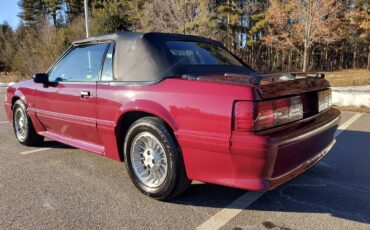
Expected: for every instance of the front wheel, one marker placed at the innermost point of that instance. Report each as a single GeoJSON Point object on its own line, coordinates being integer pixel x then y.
{"type": "Point", "coordinates": [154, 160]}
{"type": "Point", "coordinates": [23, 126]}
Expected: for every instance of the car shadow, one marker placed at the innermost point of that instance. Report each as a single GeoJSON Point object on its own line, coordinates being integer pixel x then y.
{"type": "Point", "coordinates": [54, 145]}
{"type": "Point", "coordinates": [208, 195]}
{"type": "Point", "coordinates": [338, 185]}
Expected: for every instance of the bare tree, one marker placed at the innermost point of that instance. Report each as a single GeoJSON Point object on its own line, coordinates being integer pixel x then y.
{"type": "Point", "coordinates": [300, 24]}
{"type": "Point", "coordinates": [178, 16]}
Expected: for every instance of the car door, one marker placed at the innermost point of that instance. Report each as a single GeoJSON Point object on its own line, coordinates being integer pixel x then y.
{"type": "Point", "coordinates": [70, 107]}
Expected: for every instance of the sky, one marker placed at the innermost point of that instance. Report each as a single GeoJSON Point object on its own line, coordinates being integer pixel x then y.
{"type": "Point", "coordinates": [8, 12]}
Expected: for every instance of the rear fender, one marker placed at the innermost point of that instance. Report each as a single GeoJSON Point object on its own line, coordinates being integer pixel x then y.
{"type": "Point", "coordinates": [148, 107]}
{"type": "Point", "coordinates": [107, 131]}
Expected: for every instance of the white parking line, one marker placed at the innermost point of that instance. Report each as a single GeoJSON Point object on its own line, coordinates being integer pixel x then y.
{"type": "Point", "coordinates": [4, 122]}
{"type": "Point", "coordinates": [34, 151]}
{"type": "Point", "coordinates": [346, 124]}
{"type": "Point", "coordinates": [225, 215]}
{"type": "Point", "coordinates": [237, 206]}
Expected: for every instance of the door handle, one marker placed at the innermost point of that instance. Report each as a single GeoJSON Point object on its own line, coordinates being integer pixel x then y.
{"type": "Point", "coordinates": [85, 94]}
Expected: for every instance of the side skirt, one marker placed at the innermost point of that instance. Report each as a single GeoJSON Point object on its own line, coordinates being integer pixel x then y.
{"type": "Point", "coordinates": [74, 143]}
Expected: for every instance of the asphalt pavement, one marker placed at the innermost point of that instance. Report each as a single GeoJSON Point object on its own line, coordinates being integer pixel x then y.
{"type": "Point", "coordinates": [60, 187]}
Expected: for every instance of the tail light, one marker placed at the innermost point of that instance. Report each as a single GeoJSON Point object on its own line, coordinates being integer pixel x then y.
{"type": "Point", "coordinates": [255, 116]}
{"type": "Point", "coordinates": [324, 98]}
{"type": "Point", "coordinates": [243, 116]}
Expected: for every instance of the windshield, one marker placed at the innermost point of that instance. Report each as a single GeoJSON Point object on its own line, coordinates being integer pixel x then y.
{"type": "Point", "coordinates": [200, 53]}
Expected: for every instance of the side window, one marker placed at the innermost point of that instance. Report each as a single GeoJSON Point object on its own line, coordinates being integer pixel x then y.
{"type": "Point", "coordinates": [82, 64]}
{"type": "Point", "coordinates": [107, 71]}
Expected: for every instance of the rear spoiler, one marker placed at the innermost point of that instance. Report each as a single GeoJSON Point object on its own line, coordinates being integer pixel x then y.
{"type": "Point", "coordinates": [298, 83]}
{"type": "Point", "coordinates": [262, 79]}
{"type": "Point", "coordinates": [305, 74]}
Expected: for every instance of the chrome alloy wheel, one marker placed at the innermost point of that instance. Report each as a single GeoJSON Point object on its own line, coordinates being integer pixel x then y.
{"type": "Point", "coordinates": [21, 124]}
{"type": "Point", "coordinates": [149, 160]}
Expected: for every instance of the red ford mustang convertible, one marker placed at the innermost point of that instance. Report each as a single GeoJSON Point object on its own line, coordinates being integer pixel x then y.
{"type": "Point", "coordinates": [177, 108]}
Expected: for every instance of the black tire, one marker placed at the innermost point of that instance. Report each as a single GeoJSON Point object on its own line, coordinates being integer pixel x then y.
{"type": "Point", "coordinates": [175, 181]}
{"type": "Point", "coordinates": [30, 138]}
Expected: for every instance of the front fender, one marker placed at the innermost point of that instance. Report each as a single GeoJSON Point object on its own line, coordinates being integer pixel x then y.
{"type": "Point", "coordinates": [19, 94]}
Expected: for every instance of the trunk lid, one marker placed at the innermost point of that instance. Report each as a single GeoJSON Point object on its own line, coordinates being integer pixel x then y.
{"type": "Point", "coordinates": [266, 87]}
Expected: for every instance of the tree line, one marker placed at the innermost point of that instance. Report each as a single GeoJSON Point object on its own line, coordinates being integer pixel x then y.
{"type": "Point", "coordinates": [269, 35]}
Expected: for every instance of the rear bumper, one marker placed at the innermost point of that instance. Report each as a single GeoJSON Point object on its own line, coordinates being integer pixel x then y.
{"type": "Point", "coordinates": [273, 182]}
{"type": "Point", "coordinates": [265, 161]}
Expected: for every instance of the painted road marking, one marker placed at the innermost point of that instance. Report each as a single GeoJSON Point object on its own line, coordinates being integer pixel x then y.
{"type": "Point", "coordinates": [34, 151]}
{"type": "Point", "coordinates": [4, 122]}
{"type": "Point", "coordinates": [237, 206]}
{"type": "Point", "coordinates": [346, 124]}
{"type": "Point", "coordinates": [225, 215]}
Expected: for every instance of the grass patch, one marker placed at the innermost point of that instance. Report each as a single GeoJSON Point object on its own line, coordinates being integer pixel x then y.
{"type": "Point", "coordinates": [361, 109]}
{"type": "Point", "coordinates": [10, 77]}
{"type": "Point", "coordinates": [352, 77]}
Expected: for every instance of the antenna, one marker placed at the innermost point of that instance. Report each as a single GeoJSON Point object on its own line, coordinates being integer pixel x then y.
{"type": "Point", "coordinates": [86, 6]}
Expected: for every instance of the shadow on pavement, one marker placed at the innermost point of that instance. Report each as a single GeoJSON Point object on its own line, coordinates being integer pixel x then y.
{"type": "Point", "coordinates": [338, 185]}
{"type": "Point", "coordinates": [55, 145]}
{"type": "Point", "coordinates": [208, 195]}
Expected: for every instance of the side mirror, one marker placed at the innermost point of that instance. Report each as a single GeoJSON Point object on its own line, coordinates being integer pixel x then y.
{"type": "Point", "coordinates": [41, 78]}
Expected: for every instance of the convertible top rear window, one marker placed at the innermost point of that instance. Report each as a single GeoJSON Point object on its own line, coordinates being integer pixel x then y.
{"type": "Point", "coordinates": [200, 53]}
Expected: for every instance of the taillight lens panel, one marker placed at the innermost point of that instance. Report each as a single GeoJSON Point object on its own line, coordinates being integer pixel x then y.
{"type": "Point", "coordinates": [264, 115]}
{"type": "Point", "coordinates": [324, 99]}
{"type": "Point", "coordinates": [243, 115]}
{"type": "Point", "coordinates": [277, 112]}
{"type": "Point", "coordinates": [249, 116]}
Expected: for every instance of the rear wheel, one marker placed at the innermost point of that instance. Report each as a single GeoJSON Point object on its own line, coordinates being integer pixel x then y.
{"type": "Point", "coordinates": [154, 160]}
{"type": "Point", "coordinates": [23, 126]}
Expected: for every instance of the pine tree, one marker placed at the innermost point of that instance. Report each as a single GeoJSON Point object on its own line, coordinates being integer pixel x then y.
{"type": "Point", "coordinates": [229, 20]}
{"type": "Point", "coordinates": [7, 46]}
{"type": "Point", "coordinates": [110, 16]}
{"type": "Point", "coordinates": [52, 8]}
{"type": "Point", "coordinates": [74, 8]}
{"type": "Point", "coordinates": [32, 12]}
{"type": "Point", "coordinates": [256, 20]}
{"type": "Point", "coordinates": [358, 16]}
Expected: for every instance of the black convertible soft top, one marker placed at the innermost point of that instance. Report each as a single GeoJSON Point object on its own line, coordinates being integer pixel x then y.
{"type": "Point", "coordinates": [145, 57]}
